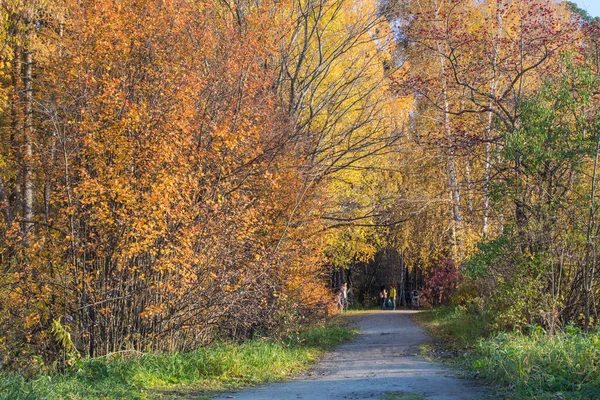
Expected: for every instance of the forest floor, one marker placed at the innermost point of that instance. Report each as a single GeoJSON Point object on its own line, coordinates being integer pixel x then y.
{"type": "Point", "coordinates": [383, 362]}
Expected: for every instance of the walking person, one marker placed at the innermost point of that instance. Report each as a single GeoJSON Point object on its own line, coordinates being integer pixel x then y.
{"type": "Point", "coordinates": [415, 299]}
{"type": "Point", "coordinates": [408, 298]}
{"type": "Point", "coordinates": [344, 290]}
{"type": "Point", "coordinates": [339, 300]}
{"type": "Point", "coordinates": [393, 296]}
{"type": "Point", "coordinates": [383, 297]}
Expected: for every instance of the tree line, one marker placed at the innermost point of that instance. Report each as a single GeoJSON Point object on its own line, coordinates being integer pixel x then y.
{"type": "Point", "coordinates": [163, 166]}
{"type": "Point", "coordinates": [497, 201]}
{"type": "Point", "coordinates": [178, 172]}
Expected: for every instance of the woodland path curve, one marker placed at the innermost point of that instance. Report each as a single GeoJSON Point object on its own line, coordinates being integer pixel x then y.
{"type": "Point", "coordinates": [382, 359]}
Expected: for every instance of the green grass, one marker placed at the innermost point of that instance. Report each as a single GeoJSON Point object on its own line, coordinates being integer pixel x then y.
{"type": "Point", "coordinates": [531, 365]}
{"type": "Point", "coordinates": [202, 372]}
{"type": "Point", "coordinates": [457, 327]}
{"type": "Point", "coordinates": [538, 364]}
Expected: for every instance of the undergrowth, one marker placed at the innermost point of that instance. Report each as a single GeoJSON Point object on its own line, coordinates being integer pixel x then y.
{"type": "Point", "coordinates": [456, 326]}
{"type": "Point", "coordinates": [206, 370]}
{"type": "Point", "coordinates": [539, 364]}
{"type": "Point", "coordinates": [527, 365]}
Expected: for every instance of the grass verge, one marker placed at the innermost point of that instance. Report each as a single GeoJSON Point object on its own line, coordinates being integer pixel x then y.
{"type": "Point", "coordinates": [455, 326]}
{"type": "Point", "coordinates": [526, 365]}
{"type": "Point", "coordinates": [202, 373]}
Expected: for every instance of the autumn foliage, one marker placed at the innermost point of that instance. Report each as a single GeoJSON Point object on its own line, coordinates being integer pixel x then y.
{"type": "Point", "coordinates": [178, 172]}
{"type": "Point", "coordinates": [158, 188]}
{"type": "Point", "coordinates": [506, 141]}
{"type": "Point", "coordinates": [441, 283]}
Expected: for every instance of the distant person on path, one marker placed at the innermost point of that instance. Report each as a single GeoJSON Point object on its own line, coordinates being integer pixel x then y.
{"type": "Point", "coordinates": [415, 299]}
{"type": "Point", "coordinates": [408, 298]}
{"type": "Point", "coordinates": [338, 299]}
{"type": "Point", "coordinates": [383, 297]}
{"type": "Point", "coordinates": [393, 296]}
{"type": "Point", "coordinates": [344, 291]}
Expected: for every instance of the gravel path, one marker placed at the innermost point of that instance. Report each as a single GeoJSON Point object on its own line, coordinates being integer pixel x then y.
{"type": "Point", "coordinates": [383, 359]}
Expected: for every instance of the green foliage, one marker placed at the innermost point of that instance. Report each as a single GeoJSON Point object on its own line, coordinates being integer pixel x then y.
{"type": "Point", "coordinates": [558, 122]}
{"type": "Point", "coordinates": [536, 362]}
{"type": "Point", "coordinates": [63, 337]}
{"type": "Point", "coordinates": [507, 283]}
{"type": "Point", "coordinates": [459, 326]}
{"type": "Point", "coordinates": [529, 363]}
{"type": "Point", "coordinates": [488, 253]}
{"type": "Point", "coordinates": [528, 274]}
{"type": "Point", "coordinates": [218, 367]}
{"type": "Point", "coordinates": [325, 337]}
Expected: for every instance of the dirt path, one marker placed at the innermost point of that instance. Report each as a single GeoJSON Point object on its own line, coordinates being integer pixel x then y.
{"type": "Point", "coordinates": [383, 359]}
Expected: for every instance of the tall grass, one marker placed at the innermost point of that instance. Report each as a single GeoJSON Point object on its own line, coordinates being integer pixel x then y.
{"type": "Point", "coordinates": [458, 327]}
{"type": "Point", "coordinates": [536, 363]}
{"type": "Point", "coordinates": [219, 367]}
{"type": "Point", "coordinates": [528, 365]}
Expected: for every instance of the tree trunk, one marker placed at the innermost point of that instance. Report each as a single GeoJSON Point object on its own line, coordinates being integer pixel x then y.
{"type": "Point", "coordinates": [457, 224]}
{"type": "Point", "coordinates": [487, 175]}
{"type": "Point", "coordinates": [27, 54]}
